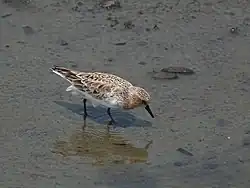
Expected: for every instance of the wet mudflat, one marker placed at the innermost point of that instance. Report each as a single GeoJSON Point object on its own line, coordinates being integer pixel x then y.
{"type": "Point", "coordinates": [201, 134]}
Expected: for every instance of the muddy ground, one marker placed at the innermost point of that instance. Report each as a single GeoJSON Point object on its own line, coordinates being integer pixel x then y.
{"type": "Point", "coordinates": [205, 114]}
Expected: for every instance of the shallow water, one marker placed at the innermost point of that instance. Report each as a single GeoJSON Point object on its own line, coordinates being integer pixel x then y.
{"type": "Point", "coordinates": [102, 148]}
{"type": "Point", "coordinates": [205, 114]}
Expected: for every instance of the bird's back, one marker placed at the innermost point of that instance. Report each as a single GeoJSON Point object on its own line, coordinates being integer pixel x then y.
{"type": "Point", "coordinates": [91, 77]}
{"type": "Point", "coordinates": [104, 78]}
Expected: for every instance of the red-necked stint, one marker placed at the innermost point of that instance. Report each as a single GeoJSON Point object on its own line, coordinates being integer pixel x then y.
{"type": "Point", "coordinates": [104, 89]}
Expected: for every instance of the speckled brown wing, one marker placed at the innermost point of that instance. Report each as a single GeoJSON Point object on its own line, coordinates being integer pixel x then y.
{"type": "Point", "coordinates": [105, 78]}
{"type": "Point", "coordinates": [96, 87]}
{"type": "Point", "coordinates": [99, 85]}
{"type": "Point", "coordinates": [72, 75]}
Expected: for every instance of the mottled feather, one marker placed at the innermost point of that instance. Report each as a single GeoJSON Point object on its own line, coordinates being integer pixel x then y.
{"type": "Point", "coordinates": [99, 85]}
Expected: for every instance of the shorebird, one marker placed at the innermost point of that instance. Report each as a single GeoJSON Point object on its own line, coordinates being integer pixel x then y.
{"type": "Point", "coordinates": [104, 89]}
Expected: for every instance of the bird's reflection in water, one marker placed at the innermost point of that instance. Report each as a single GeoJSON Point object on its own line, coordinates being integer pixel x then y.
{"type": "Point", "coordinates": [102, 147]}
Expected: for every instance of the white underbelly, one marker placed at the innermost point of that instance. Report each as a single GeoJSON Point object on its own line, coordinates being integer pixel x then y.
{"type": "Point", "coordinates": [108, 102]}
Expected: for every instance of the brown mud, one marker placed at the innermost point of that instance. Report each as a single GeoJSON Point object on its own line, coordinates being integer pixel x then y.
{"type": "Point", "coordinates": [201, 134]}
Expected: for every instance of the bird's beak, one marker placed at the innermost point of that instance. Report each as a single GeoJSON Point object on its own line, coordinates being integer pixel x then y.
{"type": "Point", "coordinates": [149, 110]}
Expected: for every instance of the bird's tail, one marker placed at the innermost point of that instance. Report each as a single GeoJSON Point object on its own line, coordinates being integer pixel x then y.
{"type": "Point", "coordinates": [68, 74]}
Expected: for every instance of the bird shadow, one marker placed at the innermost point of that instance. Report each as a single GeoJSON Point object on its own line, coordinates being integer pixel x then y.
{"type": "Point", "coordinates": [99, 115]}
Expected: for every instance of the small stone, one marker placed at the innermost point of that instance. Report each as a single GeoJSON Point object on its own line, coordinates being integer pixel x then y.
{"type": "Point", "coordinates": [185, 152]}
{"type": "Point", "coordinates": [162, 76]}
{"type": "Point", "coordinates": [63, 43]}
{"type": "Point", "coordinates": [79, 3]}
{"type": "Point", "coordinates": [230, 13]}
{"type": "Point", "coordinates": [6, 15]}
{"type": "Point", "coordinates": [173, 130]}
{"type": "Point", "coordinates": [156, 27]}
{"type": "Point", "coordinates": [108, 4]}
{"type": "Point", "coordinates": [210, 166]}
{"type": "Point", "coordinates": [247, 132]}
{"type": "Point", "coordinates": [17, 2]}
{"type": "Point", "coordinates": [201, 139]}
{"type": "Point", "coordinates": [178, 163]}
{"type": "Point", "coordinates": [234, 30]}
{"type": "Point", "coordinates": [246, 141]}
{"type": "Point", "coordinates": [129, 24]}
{"type": "Point", "coordinates": [120, 43]}
{"type": "Point", "coordinates": [142, 43]}
{"type": "Point", "coordinates": [109, 18]}
{"type": "Point", "coordinates": [142, 63]}
{"type": "Point", "coordinates": [28, 30]}
{"type": "Point", "coordinates": [114, 23]}
{"type": "Point", "coordinates": [140, 12]}
{"type": "Point", "coordinates": [180, 70]}
{"type": "Point", "coordinates": [110, 59]}
{"type": "Point", "coordinates": [76, 8]}
{"type": "Point", "coordinates": [20, 42]}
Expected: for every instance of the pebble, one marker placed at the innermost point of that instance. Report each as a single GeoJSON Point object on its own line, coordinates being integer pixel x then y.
{"type": "Point", "coordinates": [6, 15]}
{"type": "Point", "coordinates": [120, 43]}
{"type": "Point", "coordinates": [210, 166]}
{"type": "Point", "coordinates": [63, 43]}
{"type": "Point", "coordinates": [128, 24]}
{"type": "Point", "coordinates": [156, 27]}
{"type": "Point", "coordinates": [108, 4]}
{"type": "Point", "coordinates": [247, 132]}
{"type": "Point", "coordinates": [179, 164]}
{"type": "Point", "coordinates": [142, 63]}
{"type": "Point", "coordinates": [234, 30]}
{"type": "Point", "coordinates": [180, 70]}
{"type": "Point", "coordinates": [185, 152]}
{"type": "Point", "coordinates": [140, 12]}
{"type": "Point", "coordinates": [246, 141]}
{"type": "Point", "coordinates": [162, 75]}
{"type": "Point", "coordinates": [142, 43]}
{"type": "Point", "coordinates": [114, 22]}
{"type": "Point", "coordinates": [28, 30]}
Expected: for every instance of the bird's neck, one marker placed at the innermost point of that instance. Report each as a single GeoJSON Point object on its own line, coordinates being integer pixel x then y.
{"type": "Point", "coordinates": [132, 100]}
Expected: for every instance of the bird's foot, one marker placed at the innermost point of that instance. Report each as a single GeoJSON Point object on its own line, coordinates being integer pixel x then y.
{"type": "Point", "coordinates": [110, 124]}
{"type": "Point", "coordinates": [84, 119]}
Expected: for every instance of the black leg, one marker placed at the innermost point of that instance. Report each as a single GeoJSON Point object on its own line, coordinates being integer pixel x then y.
{"type": "Point", "coordinates": [85, 113]}
{"type": "Point", "coordinates": [85, 108]}
{"type": "Point", "coordinates": [108, 111]}
{"type": "Point", "coordinates": [112, 121]}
